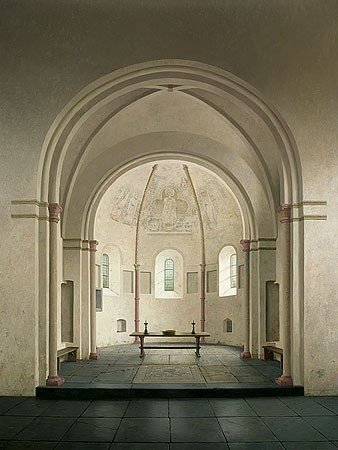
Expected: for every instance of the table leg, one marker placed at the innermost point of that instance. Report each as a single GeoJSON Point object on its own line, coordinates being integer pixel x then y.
{"type": "Point", "coordinates": [197, 346]}
{"type": "Point", "coordinates": [141, 347]}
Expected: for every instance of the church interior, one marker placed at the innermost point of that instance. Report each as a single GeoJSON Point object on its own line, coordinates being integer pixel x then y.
{"type": "Point", "coordinates": [169, 165]}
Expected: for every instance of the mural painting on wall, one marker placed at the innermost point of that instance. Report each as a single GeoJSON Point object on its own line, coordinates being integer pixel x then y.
{"type": "Point", "coordinates": [169, 206]}
{"type": "Point", "coordinates": [126, 204]}
{"type": "Point", "coordinates": [169, 209]}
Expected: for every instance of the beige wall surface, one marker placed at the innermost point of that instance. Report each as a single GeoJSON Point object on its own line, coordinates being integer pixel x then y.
{"type": "Point", "coordinates": [49, 51]}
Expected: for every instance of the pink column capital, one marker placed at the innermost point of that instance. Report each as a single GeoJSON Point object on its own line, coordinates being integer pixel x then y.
{"type": "Point", "coordinates": [246, 244]}
{"type": "Point", "coordinates": [93, 245]}
{"type": "Point", "coordinates": [285, 213]}
{"type": "Point", "coordinates": [54, 212]}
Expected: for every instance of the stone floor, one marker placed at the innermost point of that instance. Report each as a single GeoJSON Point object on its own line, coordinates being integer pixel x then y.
{"type": "Point", "coordinates": [217, 364]}
{"type": "Point", "coordinates": [274, 423]}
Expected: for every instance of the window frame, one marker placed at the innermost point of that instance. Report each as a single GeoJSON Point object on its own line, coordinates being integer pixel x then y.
{"type": "Point", "coordinates": [169, 275]}
{"type": "Point", "coordinates": [105, 270]}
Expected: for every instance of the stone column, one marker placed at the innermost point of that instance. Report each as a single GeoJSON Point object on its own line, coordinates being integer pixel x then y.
{"type": "Point", "coordinates": [246, 300]}
{"type": "Point", "coordinates": [137, 300]}
{"type": "Point", "coordinates": [54, 217]}
{"type": "Point", "coordinates": [93, 248]}
{"type": "Point", "coordinates": [285, 220]}
{"type": "Point", "coordinates": [202, 270]}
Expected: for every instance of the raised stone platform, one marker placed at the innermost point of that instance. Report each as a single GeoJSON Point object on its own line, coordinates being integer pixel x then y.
{"type": "Point", "coordinates": [120, 373]}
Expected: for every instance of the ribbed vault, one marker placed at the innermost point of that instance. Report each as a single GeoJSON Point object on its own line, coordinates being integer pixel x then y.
{"type": "Point", "coordinates": [184, 110]}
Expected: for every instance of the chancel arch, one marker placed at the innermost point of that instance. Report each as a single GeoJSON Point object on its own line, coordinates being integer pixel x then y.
{"type": "Point", "coordinates": [123, 124]}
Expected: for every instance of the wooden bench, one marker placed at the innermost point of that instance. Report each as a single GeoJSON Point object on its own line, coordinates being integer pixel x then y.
{"type": "Point", "coordinates": [270, 351]}
{"type": "Point", "coordinates": [70, 351]}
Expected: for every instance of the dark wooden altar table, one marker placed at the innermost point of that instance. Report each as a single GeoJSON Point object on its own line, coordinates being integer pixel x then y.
{"type": "Point", "coordinates": [178, 334]}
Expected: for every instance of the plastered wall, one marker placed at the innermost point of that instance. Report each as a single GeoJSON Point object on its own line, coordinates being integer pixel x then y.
{"type": "Point", "coordinates": [51, 50]}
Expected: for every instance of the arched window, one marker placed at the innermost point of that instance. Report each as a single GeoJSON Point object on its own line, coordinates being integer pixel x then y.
{"type": "Point", "coordinates": [169, 279]}
{"type": "Point", "coordinates": [227, 266]}
{"type": "Point", "coordinates": [233, 270]}
{"type": "Point", "coordinates": [168, 275]}
{"type": "Point", "coordinates": [105, 270]}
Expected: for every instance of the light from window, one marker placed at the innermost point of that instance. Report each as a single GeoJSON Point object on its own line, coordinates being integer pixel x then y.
{"type": "Point", "coordinates": [168, 275]}
{"type": "Point", "coordinates": [105, 270]}
{"type": "Point", "coordinates": [233, 270]}
{"type": "Point", "coordinates": [227, 275]}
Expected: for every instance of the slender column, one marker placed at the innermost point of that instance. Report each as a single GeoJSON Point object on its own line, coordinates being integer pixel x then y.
{"type": "Point", "coordinates": [93, 351]}
{"type": "Point", "coordinates": [285, 218]}
{"type": "Point", "coordinates": [137, 300]}
{"type": "Point", "coordinates": [246, 300]}
{"type": "Point", "coordinates": [54, 217]}
{"type": "Point", "coordinates": [202, 266]}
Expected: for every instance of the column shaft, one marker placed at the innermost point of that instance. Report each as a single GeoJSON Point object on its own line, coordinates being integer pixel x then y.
{"type": "Point", "coordinates": [137, 300]}
{"type": "Point", "coordinates": [285, 231]}
{"type": "Point", "coordinates": [202, 266]}
{"type": "Point", "coordinates": [246, 300]}
{"type": "Point", "coordinates": [54, 217]}
{"type": "Point", "coordinates": [92, 282]}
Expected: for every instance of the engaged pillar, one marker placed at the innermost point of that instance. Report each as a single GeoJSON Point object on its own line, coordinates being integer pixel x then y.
{"type": "Point", "coordinates": [54, 217]}
{"type": "Point", "coordinates": [202, 271]}
{"type": "Point", "coordinates": [137, 300]}
{"type": "Point", "coordinates": [285, 219]}
{"type": "Point", "coordinates": [246, 300]}
{"type": "Point", "coordinates": [92, 248]}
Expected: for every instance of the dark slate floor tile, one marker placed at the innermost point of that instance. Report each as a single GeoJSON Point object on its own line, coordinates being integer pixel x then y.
{"type": "Point", "coordinates": [80, 379]}
{"type": "Point", "coordinates": [305, 406]}
{"type": "Point", "coordinates": [244, 371]}
{"type": "Point", "coordinates": [30, 407]}
{"type": "Point", "coordinates": [7, 403]}
{"type": "Point", "coordinates": [197, 446]}
{"type": "Point", "coordinates": [138, 446]}
{"type": "Point", "coordinates": [295, 428]}
{"type": "Point", "coordinates": [151, 429]}
{"type": "Point", "coordinates": [245, 429]}
{"type": "Point", "coordinates": [227, 407]}
{"type": "Point", "coordinates": [106, 408]}
{"type": "Point", "coordinates": [327, 425]}
{"type": "Point", "coordinates": [83, 446]}
{"type": "Point", "coordinates": [67, 408]}
{"type": "Point", "coordinates": [256, 446]}
{"type": "Point", "coordinates": [328, 402]}
{"type": "Point", "coordinates": [45, 429]}
{"type": "Point", "coordinates": [269, 407]}
{"type": "Point", "coordinates": [193, 407]}
{"type": "Point", "coordinates": [88, 429]}
{"type": "Point", "coordinates": [309, 445]}
{"type": "Point", "coordinates": [147, 408]}
{"type": "Point", "coordinates": [30, 445]}
{"type": "Point", "coordinates": [188, 429]}
{"type": "Point", "coordinates": [10, 426]}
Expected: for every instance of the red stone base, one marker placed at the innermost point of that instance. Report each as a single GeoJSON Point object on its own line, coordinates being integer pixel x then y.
{"type": "Point", "coordinates": [245, 355]}
{"type": "Point", "coordinates": [54, 381]}
{"type": "Point", "coordinates": [284, 380]}
{"type": "Point", "coordinates": [94, 356]}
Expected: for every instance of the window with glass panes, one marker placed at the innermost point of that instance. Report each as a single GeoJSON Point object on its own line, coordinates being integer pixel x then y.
{"type": "Point", "coordinates": [168, 275]}
{"type": "Point", "coordinates": [233, 270]}
{"type": "Point", "coordinates": [105, 270]}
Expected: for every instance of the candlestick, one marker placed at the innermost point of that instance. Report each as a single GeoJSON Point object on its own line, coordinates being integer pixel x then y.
{"type": "Point", "coordinates": [145, 327]}
{"type": "Point", "coordinates": [193, 327]}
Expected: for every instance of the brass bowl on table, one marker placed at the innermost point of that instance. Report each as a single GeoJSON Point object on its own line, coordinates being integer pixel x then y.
{"type": "Point", "coordinates": [168, 332]}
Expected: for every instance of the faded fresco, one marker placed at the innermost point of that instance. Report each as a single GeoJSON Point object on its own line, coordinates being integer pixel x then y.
{"type": "Point", "coordinates": [169, 204]}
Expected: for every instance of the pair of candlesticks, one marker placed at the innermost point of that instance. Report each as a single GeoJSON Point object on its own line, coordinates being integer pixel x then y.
{"type": "Point", "coordinates": [193, 323]}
